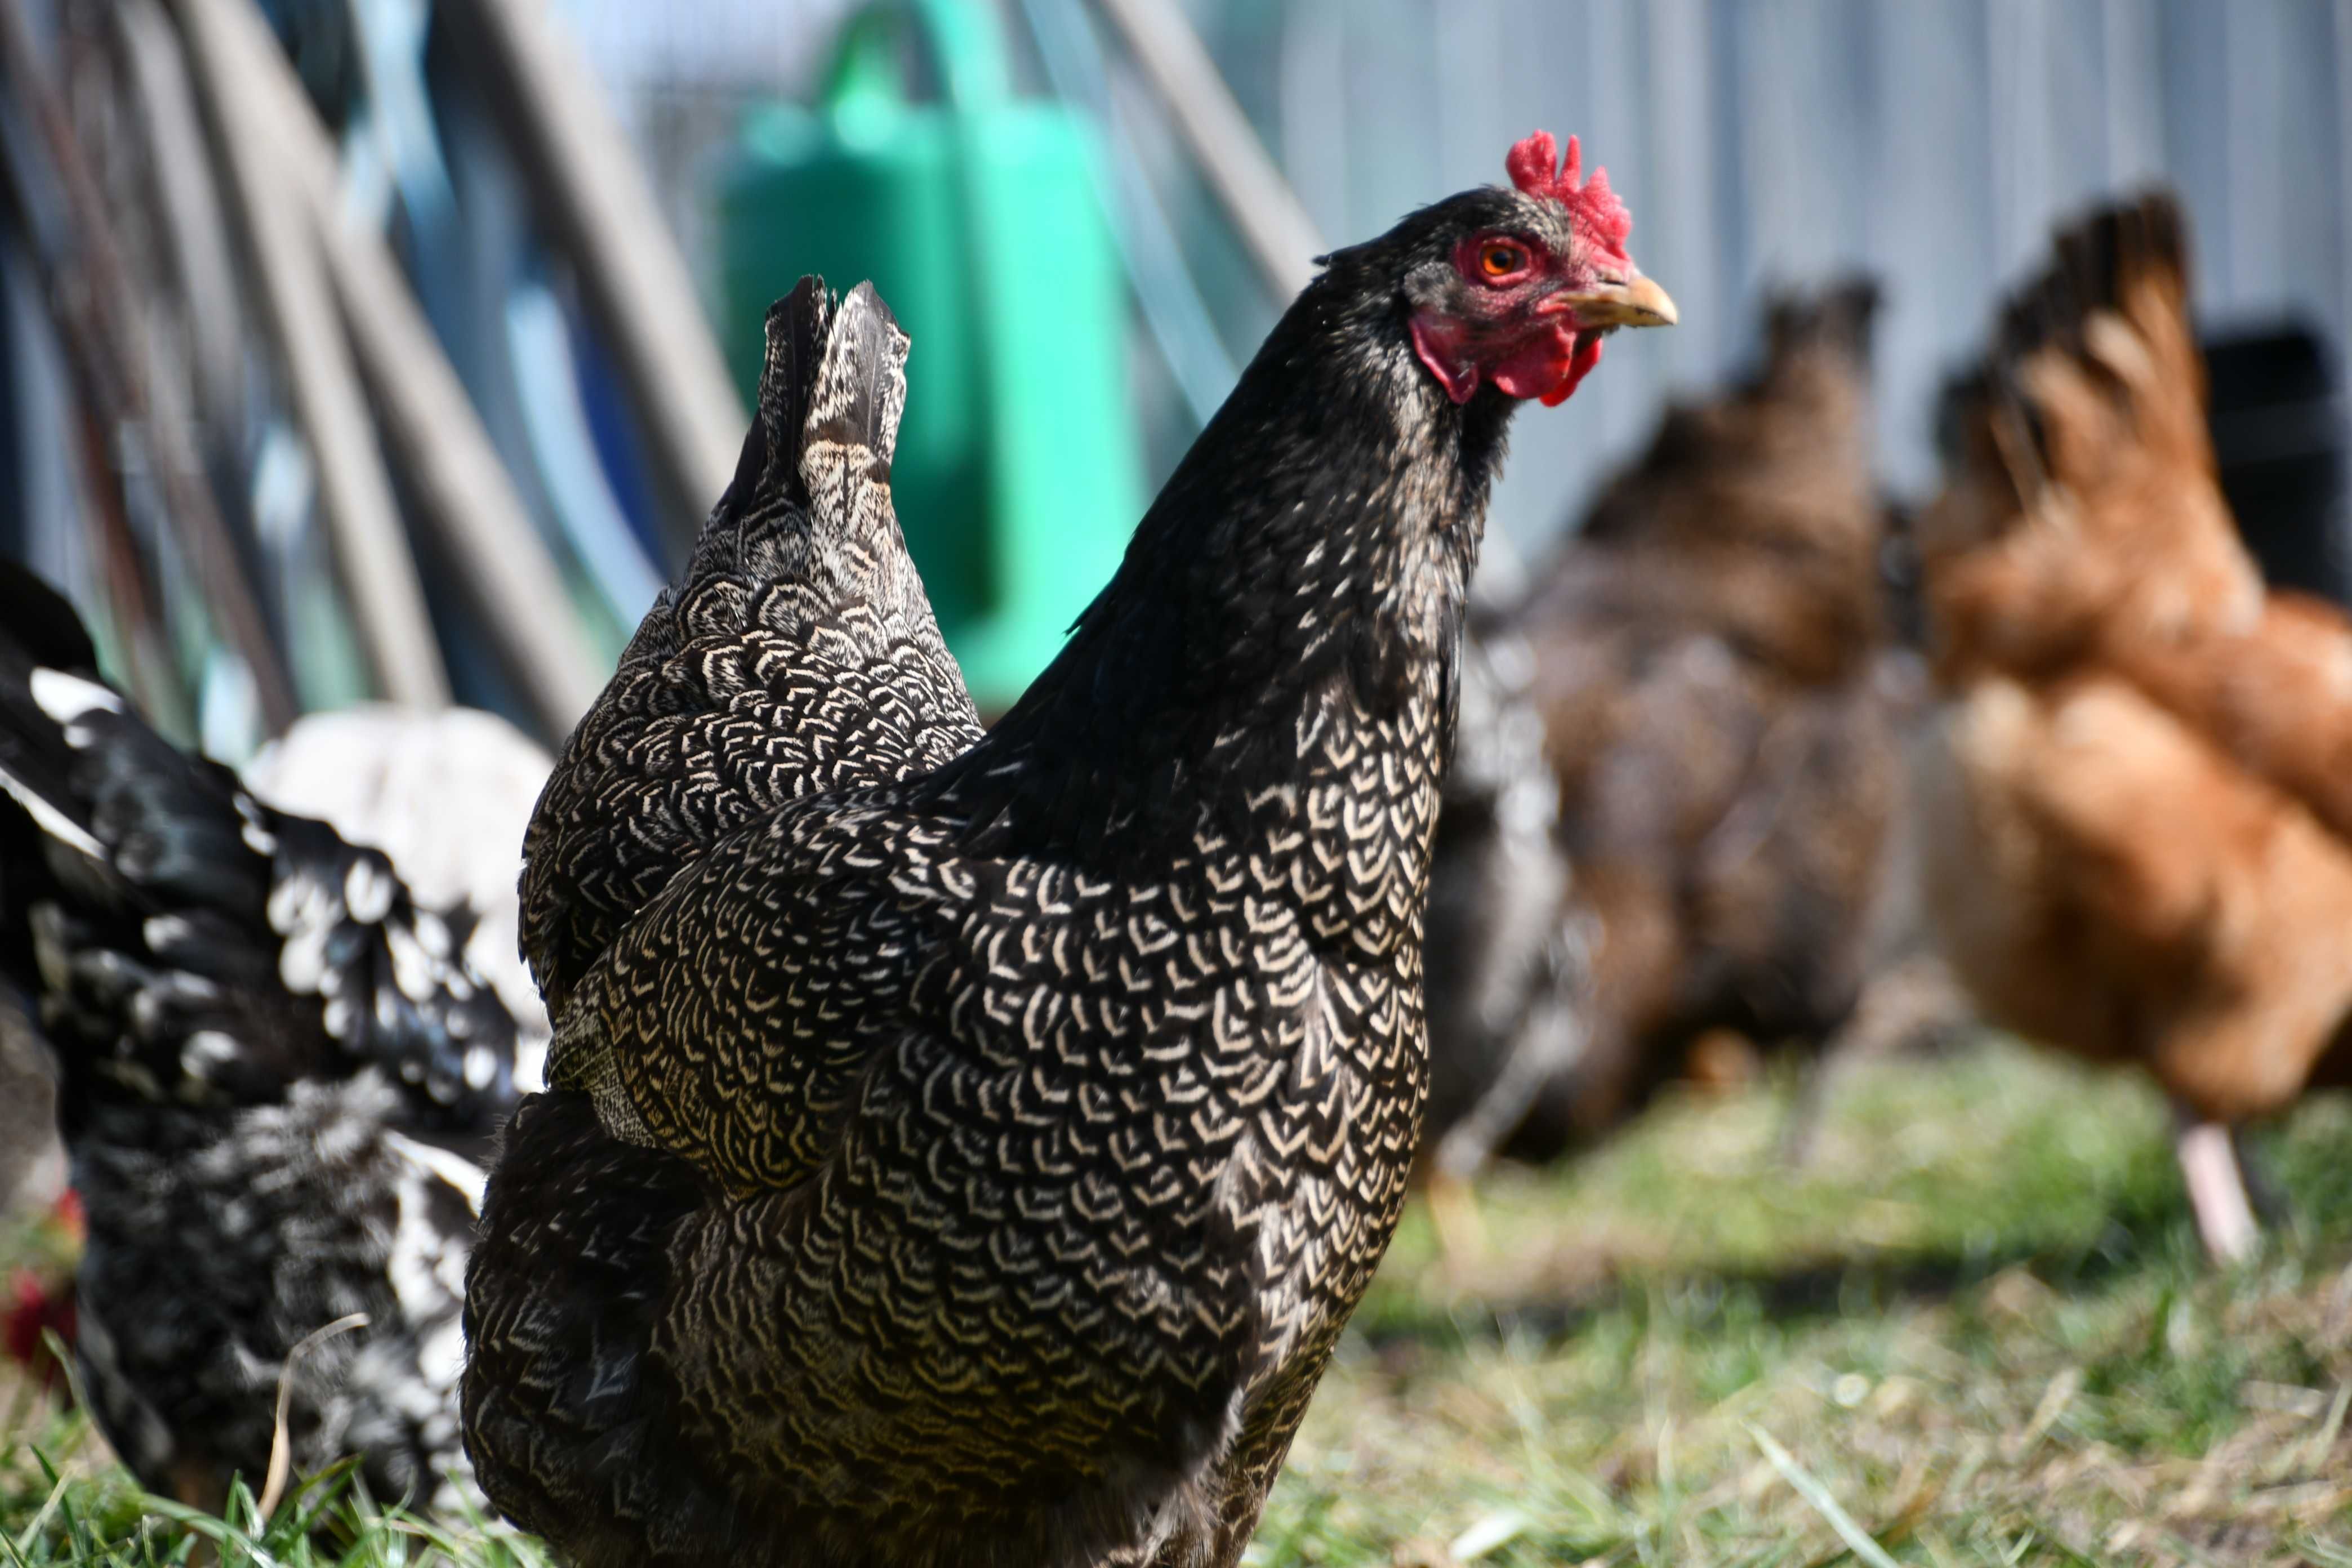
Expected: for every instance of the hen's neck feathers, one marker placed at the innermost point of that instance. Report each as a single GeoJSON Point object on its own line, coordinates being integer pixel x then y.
{"type": "Point", "coordinates": [1322, 531]}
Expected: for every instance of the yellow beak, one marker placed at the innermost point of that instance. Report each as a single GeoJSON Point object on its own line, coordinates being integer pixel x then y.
{"type": "Point", "coordinates": [1635, 302]}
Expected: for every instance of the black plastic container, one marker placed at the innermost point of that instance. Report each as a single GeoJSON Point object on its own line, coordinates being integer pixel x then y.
{"type": "Point", "coordinates": [2277, 417]}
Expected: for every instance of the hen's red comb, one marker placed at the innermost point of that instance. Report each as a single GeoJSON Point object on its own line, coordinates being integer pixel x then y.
{"type": "Point", "coordinates": [1591, 206]}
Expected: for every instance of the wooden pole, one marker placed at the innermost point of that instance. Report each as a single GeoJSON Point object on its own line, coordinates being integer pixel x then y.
{"type": "Point", "coordinates": [98, 314]}
{"type": "Point", "coordinates": [364, 521]}
{"type": "Point", "coordinates": [193, 226]}
{"type": "Point", "coordinates": [1281, 238]}
{"type": "Point", "coordinates": [462, 488]}
{"type": "Point", "coordinates": [593, 198]}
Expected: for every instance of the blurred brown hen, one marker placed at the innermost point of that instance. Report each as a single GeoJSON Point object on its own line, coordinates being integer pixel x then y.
{"type": "Point", "coordinates": [2136, 816]}
{"type": "Point", "coordinates": [1709, 653]}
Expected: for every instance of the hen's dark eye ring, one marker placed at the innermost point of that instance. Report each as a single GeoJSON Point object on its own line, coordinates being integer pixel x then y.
{"type": "Point", "coordinates": [1499, 259]}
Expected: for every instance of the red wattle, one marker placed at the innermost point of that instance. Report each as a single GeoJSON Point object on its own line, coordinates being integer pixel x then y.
{"type": "Point", "coordinates": [1549, 365]}
{"type": "Point", "coordinates": [1539, 366]}
{"type": "Point", "coordinates": [1587, 355]}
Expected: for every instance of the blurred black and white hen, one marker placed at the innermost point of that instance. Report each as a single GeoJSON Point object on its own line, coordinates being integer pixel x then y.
{"type": "Point", "coordinates": [276, 1072]}
{"type": "Point", "coordinates": [1506, 948]}
{"type": "Point", "coordinates": [968, 1149]}
{"type": "Point", "coordinates": [447, 794]}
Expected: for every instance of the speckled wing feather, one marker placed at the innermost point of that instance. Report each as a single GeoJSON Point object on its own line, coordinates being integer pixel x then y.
{"type": "Point", "coordinates": [220, 1240]}
{"type": "Point", "coordinates": [189, 944]}
{"type": "Point", "coordinates": [798, 654]}
{"type": "Point", "coordinates": [447, 794]}
{"type": "Point", "coordinates": [1008, 1213]}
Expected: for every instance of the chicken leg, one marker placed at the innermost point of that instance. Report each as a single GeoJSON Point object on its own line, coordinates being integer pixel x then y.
{"type": "Point", "coordinates": [1453, 1214]}
{"type": "Point", "coordinates": [2217, 1188]}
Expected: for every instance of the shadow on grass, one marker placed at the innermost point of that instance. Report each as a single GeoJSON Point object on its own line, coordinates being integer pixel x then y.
{"type": "Point", "coordinates": [2147, 1229]}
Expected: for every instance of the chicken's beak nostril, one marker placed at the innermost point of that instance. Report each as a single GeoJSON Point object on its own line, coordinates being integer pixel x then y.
{"type": "Point", "coordinates": [1637, 301]}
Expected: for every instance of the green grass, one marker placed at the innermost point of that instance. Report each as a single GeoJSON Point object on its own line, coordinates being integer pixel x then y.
{"type": "Point", "coordinates": [1973, 1328]}
{"type": "Point", "coordinates": [1976, 1325]}
{"type": "Point", "coordinates": [64, 1500]}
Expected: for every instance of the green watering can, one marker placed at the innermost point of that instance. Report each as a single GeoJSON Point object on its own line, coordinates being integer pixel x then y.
{"type": "Point", "coordinates": [1017, 476]}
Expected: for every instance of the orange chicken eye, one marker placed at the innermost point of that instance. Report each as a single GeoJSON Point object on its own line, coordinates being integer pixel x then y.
{"type": "Point", "coordinates": [1500, 258]}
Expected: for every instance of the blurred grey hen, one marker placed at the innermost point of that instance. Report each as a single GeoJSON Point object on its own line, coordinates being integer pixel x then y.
{"type": "Point", "coordinates": [272, 1066]}
{"type": "Point", "coordinates": [968, 1149]}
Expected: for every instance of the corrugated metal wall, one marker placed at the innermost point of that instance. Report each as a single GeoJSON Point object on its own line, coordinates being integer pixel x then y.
{"type": "Point", "coordinates": [1768, 141]}
{"type": "Point", "coordinates": [1758, 141]}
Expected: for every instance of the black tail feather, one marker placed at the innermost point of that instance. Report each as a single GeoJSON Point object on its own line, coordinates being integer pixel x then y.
{"type": "Point", "coordinates": [41, 623]}
{"type": "Point", "coordinates": [798, 611]}
{"type": "Point", "coordinates": [769, 459]}
{"type": "Point", "coordinates": [1840, 315]}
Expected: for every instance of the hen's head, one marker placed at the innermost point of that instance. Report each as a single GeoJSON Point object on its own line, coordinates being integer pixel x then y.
{"type": "Point", "coordinates": [1518, 286]}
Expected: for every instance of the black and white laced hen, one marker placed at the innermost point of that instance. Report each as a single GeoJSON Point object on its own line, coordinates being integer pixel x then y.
{"type": "Point", "coordinates": [963, 1149]}
{"type": "Point", "coordinates": [274, 1071]}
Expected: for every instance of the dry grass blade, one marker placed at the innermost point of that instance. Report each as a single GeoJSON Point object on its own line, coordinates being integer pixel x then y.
{"type": "Point", "coordinates": [281, 1449]}
{"type": "Point", "coordinates": [1818, 1496]}
{"type": "Point", "coordinates": [2323, 1442]}
{"type": "Point", "coordinates": [1491, 1533]}
{"type": "Point", "coordinates": [2059, 1394]}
